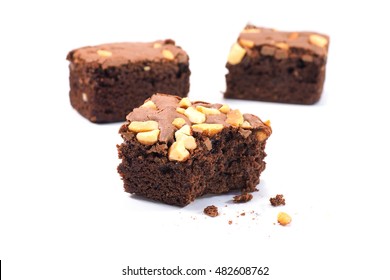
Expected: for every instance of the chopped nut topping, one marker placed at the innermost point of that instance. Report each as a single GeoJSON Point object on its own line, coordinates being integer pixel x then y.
{"type": "Point", "coordinates": [147, 68]}
{"type": "Point", "coordinates": [208, 111]}
{"type": "Point", "coordinates": [318, 40]}
{"type": "Point", "coordinates": [194, 115]}
{"type": "Point", "coordinates": [246, 125]}
{"type": "Point", "coordinates": [284, 218]}
{"type": "Point", "coordinates": [168, 54]}
{"type": "Point", "coordinates": [251, 30]}
{"type": "Point", "coordinates": [282, 46]}
{"type": "Point", "coordinates": [157, 45]}
{"type": "Point", "coordinates": [208, 129]}
{"type": "Point", "coordinates": [180, 110]}
{"type": "Point", "coordinates": [179, 122]}
{"type": "Point", "coordinates": [246, 43]}
{"type": "Point", "coordinates": [261, 136]}
{"type": "Point", "coordinates": [189, 141]}
{"type": "Point", "coordinates": [84, 96]}
{"type": "Point", "coordinates": [104, 53]}
{"type": "Point", "coordinates": [185, 102]}
{"type": "Point", "coordinates": [186, 130]}
{"type": "Point", "coordinates": [178, 152]}
{"type": "Point", "coordinates": [148, 137]}
{"type": "Point", "coordinates": [149, 104]}
{"type": "Point", "coordinates": [224, 109]}
{"type": "Point", "coordinates": [236, 54]}
{"type": "Point", "coordinates": [137, 126]}
{"type": "Point", "coordinates": [267, 123]}
{"type": "Point", "coordinates": [235, 118]}
{"type": "Point", "coordinates": [293, 35]}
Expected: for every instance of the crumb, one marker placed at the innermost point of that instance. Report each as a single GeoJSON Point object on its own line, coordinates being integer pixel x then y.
{"type": "Point", "coordinates": [211, 211]}
{"type": "Point", "coordinates": [284, 218]}
{"type": "Point", "coordinates": [277, 200]}
{"type": "Point", "coordinates": [245, 197]}
{"type": "Point", "coordinates": [242, 214]}
{"type": "Point", "coordinates": [230, 222]}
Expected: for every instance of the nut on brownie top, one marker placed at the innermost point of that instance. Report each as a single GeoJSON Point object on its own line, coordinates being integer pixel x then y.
{"type": "Point", "coordinates": [277, 43]}
{"type": "Point", "coordinates": [117, 54]}
{"type": "Point", "coordinates": [175, 121]}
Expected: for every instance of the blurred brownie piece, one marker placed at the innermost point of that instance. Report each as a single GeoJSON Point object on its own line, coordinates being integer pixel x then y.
{"type": "Point", "coordinates": [110, 80]}
{"type": "Point", "coordinates": [269, 65]}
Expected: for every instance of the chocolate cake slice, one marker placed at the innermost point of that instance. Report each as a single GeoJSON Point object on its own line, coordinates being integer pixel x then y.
{"type": "Point", "coordinates": [175, 150]}
{"type": "Point", "coordinates": [108, 81]}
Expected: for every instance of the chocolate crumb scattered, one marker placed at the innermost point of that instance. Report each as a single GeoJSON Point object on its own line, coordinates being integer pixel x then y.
{"type": "Point", "coordinates": [242, 214]}
{"type": "Point", "coordinates": [277, 200]}
{"type": "Point", "coordinates": [242, 198]}
{"type": "Point", "coordinates": [211, 211]}
{"type": "Point", "coordinates": [230, 222]}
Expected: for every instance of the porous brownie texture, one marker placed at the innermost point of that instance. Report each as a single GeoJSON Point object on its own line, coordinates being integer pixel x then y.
{"type": "Point", "coordinates": [175, 150]}
{"type": "Point", "coordinates": [269, 65]}
{"type": "Point", "coordinates": [108, 81]}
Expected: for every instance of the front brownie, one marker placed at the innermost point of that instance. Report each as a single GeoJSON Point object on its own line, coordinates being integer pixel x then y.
{"type": "Point", "coordinates": [269, 65]}
{"type": "Point", "coordinates": [175, 150]}
{"type": "Point", "coordinates": [108, 81]}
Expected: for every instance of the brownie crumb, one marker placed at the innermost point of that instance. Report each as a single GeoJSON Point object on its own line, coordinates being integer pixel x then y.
{"type": "Point", "coordinates": [230, 222]}
{"type": "Point", "coordinates": [211, 211]}
{"type": "Point", "coordinates": [242, 198]}
{"type": "Point", "coordinates": [242, 214]}
{"type": "Point", "coordinates": [277, 200]}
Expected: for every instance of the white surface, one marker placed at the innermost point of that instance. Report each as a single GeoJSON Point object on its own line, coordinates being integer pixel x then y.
{"type": "Point", "coordinates": [63, 214]}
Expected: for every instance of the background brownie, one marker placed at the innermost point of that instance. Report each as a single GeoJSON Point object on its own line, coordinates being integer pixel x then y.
{"type": "Point", "coordinates": [175, 150]}
{"type": "Point", "coordinates": [108, 81]}
{"type": "Point", "coordinates": [269, 65]}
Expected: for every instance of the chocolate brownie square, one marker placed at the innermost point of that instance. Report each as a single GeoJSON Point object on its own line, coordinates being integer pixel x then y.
{"type": "Point", "coordinates": [269, 65]}
{"type": "Point", "coordinates": [110, 80]}
{"type": "Point", "coordinates": [175, 150]}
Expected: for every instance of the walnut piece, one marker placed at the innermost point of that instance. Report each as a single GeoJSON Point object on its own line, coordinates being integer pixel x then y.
{"type": "Point", "coordinates": [179, 122]}
{"type": "Point", "coordinates": [208, 111]}
{"type": "Point", "coordinates": [178, 152]}
{"type": "Point", "coordinates": [235, 118]}
{"type": "Point", "coordinates": [168, 54]}
{"type": "Point", "coordinates": [194, 115]}
{"type": "Point", "coordinates": [318, 40]}
{"type": "Point", "coordinates": [149, 104]}
{"type": "Point", "coordinates": [148, 137]}
{"type": "Point", "coordinates": [208, 129]}
{"type": "Point", "coordinates": [137, 126]}
{"type": "Point", "coordinates": [246, 43]}
{"type": "Point", "coordinates": [236, 54]}
{"type": "Point", "coordinates": [284, 218]}
{"type": "Point", "coordinates": [185, 103]}
{"type": "Point", "coordinates": [104, 53]}
{"type": "Point", "coordinates": [224, 108]}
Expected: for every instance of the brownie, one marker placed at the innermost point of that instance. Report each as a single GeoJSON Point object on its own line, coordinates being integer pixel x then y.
{"type": "Point", "coordinates": [110, 80]}
{"type": "Point", "coordinates": [242, 198]}
{"type": "Point", "coordinates": [175, 150]}
{"type": "Point", "coordinates": [211, 211]}
{"type": "Point", "coordinates": [269, 65]}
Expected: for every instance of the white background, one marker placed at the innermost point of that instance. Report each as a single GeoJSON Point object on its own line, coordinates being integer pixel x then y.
{"type": "Point", "coordinates": [63, 212]}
